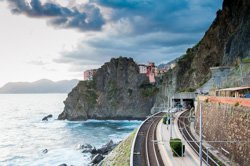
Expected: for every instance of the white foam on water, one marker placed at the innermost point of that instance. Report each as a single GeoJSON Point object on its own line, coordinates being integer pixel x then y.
{"type": "Point", "coordinates": [24, 135]}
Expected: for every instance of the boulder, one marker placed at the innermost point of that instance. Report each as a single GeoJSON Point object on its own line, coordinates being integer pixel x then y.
{"type": "Point", "coordinates": [85, 146]}
{"type": "Point", "coordinates": [87, 150]}
{"type": "Point", "coordinates": [45, 151]}
{"type": "Point", "coordinates": [106, 148]}
{"type": "Point", "coordinates": [97, 159]}
{"type": "Point", "coordinates": [50, 116]}
{"type": "Point", "coordinates": [62, 165]}
{"type": "Point", "coordinates": [94, 151]}
{"type": "Point", "coordinates": [46, 117]}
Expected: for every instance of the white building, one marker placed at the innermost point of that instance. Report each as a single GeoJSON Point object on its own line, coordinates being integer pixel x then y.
{"type": "Point", "coordinates": [142, 68]}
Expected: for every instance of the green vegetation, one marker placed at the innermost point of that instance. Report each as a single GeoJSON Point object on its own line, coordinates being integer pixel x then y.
{"type": "Point", "coordinates": [234, 78]}
{"type": "Point", "coordinates": [186, 59]}
{"type": "Point", "coordinates": [187, 90]}
{"type": "Point", "coordinates": [91, 97]}
{"type": "Point", "coordinates": [246, 60]}
{"type": "Point", "coordinates": [177, 147]}
{"type": "Point", "coordinates": [112, 89]}
{"type": "Point", "coordinates": [120, 156]}
{"type": "Point", "coordinates": [165, 118]}
{"type": "Point", "coordinates": [90, 84]}
{"type": "Point", "coordinates": [148, 90]}
{"type": "Point", "coordinates": [237, 104]}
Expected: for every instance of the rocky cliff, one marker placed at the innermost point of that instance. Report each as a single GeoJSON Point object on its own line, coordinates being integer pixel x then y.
{"type": "Point", "coordinates": [117, 91]}
{"type": "Point", "coordinates": [226, 41]}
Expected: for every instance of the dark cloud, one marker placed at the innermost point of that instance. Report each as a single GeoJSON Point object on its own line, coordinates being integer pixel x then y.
{"type": "Point", "coordinates": [164, 15]}
{"type": "Point", "coordinates": [125, 4]}
{"type": "Point", "coordinates": [85, 18]}
{"type": "Point", "coordinates": [147, 30]}
{"type": "Point", "coordinates": [96, 51]}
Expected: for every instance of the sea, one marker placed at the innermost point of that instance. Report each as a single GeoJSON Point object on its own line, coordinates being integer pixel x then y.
{"type": "Point", "coordinates": [24, 136]}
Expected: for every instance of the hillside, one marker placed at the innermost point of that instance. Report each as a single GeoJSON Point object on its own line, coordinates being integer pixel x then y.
{"type": "Point", "coordinates": [118, 91]}
{"type": "Point", "coordinates": [226, 41]}
{"type": "Point", "coordinates": [40, 86]}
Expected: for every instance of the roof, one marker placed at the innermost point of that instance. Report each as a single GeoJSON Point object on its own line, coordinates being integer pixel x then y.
{"type": "Point", "coordinates": [141, 65]}
{"type": "Point", "coordinates": [234, 88]}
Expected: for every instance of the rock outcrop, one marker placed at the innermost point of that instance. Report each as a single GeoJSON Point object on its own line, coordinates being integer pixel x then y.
{"type": "Point", "coordinates": [226, 41]}
{"type": "Point", "coordinates": [47, 117]}
{"type": "Point", "coordinates": [117, 91]}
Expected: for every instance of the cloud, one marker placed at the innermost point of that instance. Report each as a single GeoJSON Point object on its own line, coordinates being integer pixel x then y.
{"type": "Point", "coordinates": [156, 47]}
{"type": "Point", "coordinates": [37, 62]}
{"type": "Point", "coordinates": [86, 17]}
{"type": "Point", "coordinates": [146, 30]}
{"type": "Point", "coordinates": [163, 15]}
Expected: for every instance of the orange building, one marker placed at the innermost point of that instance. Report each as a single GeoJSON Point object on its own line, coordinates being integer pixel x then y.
{"type": "Point", "coordinates": [89, 74]}
{"type": "Point", "coordinates": [151, 72]}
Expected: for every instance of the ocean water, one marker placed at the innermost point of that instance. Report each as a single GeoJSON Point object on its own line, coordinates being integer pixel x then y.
{"type": "Point", "coordinates": [23, 134]}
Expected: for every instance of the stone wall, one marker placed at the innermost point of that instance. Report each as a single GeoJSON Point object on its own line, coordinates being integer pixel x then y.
{"type": "Point", "coordinates": [226, 122]}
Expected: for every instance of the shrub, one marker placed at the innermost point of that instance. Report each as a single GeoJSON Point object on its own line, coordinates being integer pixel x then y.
{"type": "Point", "coordinates": [176, 146]}
{"type": "Point", "coordinates": [246, 60]}
{"type": "Point", "coordinates": [165, 119]}
{"type": "Point", "coordinates": [149, 90]}
{"type": "Point", "coordinates": [236, 104]}
{"type": "Point", "coordinates": [91, 97]}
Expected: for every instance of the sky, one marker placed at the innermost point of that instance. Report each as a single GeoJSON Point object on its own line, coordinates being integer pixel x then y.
{"type": "Point", "coordinates": [59, 39]}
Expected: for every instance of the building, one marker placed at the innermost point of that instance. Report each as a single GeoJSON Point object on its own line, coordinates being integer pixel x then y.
{"type": "Point", "coordinates": [162, 70]}
{"type": "Point", "coordinates": [151, 72]}
{"type": "Point", "coordinates": [172, 65]}
{"type": "Point", "coordinates": [142, 68]}
{"type": "Point", "coordinates": [89, 74]}
{"type": "Point", "coordinates": [233, 92]}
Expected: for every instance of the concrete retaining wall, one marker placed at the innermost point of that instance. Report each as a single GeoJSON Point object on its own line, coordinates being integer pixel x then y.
{"type": "Point", "coordinates": [226, 122]}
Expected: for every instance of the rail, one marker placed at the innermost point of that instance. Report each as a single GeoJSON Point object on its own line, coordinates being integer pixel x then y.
{"type": "Point", "coordinates": [133, 144]}
{"type": "Point", "coordinates": [193, 140]}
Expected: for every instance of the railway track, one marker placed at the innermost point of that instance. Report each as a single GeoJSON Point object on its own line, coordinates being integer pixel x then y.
{"type": "Point", "coordinates": [183, 125]}
{"type": "Point", "coordinates": [145, 150]}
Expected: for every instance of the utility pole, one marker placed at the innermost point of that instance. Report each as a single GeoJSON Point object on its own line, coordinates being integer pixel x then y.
{"type": "Point", "coordinates": [200, 135]}
{"type": "Point", "coordinates": [169, 113]}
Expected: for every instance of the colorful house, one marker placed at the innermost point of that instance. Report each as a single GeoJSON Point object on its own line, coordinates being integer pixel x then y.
{"type": "Point", "coordinates": [89, 74]}
{"type": "Point", "coordinates": [142, 69]}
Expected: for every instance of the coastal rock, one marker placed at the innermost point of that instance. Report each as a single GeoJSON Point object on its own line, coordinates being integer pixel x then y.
{"type": "Point", "coordinates": [117, 91]}
{"type": "Point", "coordinates": [93, 152]}
{"type": "Point", "coordinates": [85, 146]}
{"type": "Point", "coordinates": [62, 165]}
{"type": "Point", "coordinates": [107, 148]}
{"type": "Point", "coordinates": [87, 150]}
{"type": "Point", "coordinates": [46, 117]}
{"type": "Point", "coordinates": [97, 155]}
{"type": "Point", "coordinates": [97, 159]}
{"type": "Point", "coordinates": [45, 151]}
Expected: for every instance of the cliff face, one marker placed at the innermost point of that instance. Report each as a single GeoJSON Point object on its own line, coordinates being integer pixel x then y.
{"type": "Point", "coordinates": [227, 40]}
{"type": "Point", "coordinates": [117, 91]}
